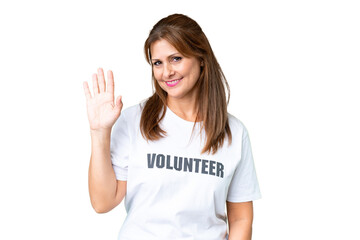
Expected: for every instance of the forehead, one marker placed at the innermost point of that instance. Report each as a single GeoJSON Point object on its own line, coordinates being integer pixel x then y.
{"type": "Point", "coordinates": [162, 49]}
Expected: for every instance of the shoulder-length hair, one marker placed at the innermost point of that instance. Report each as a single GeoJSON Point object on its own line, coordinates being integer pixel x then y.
{"type": "Point", "coordinates": [188, 38]}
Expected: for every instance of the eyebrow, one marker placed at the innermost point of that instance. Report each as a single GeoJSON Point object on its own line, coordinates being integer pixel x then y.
{"type": "Point", "coordinates": [155, 59]}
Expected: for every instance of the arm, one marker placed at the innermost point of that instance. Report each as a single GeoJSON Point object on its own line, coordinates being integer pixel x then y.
{"type": "Point", "coordinates": [105, 191]}
{"type": "Point", "coordinates": [240, 218]}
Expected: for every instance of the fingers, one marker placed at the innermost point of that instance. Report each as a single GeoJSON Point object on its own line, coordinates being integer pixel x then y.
{"type": "Point", "coordinates": [101, 80]}
{"type": "Point", "coordinates": [110, 83]}
{"type": "Point", "coordinates": [119, 103]}
{"type": "Point", "coordinates": [119, 100]}
{"type": "Point", "coordinates": [95, 84]}
{"type": "Point", "coordinates": [87, 91]}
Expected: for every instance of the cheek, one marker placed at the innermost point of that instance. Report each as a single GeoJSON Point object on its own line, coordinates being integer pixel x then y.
{"type": "Point", "coordinates": [192, 69]}
{"type": "Point", "coordinates": [157, 74]}
{"type": "Point", "coordinates": [195, 72]}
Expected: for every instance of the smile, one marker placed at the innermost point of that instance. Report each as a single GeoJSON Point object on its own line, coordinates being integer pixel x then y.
{"type": "Point", "coordinates": [173, 82]}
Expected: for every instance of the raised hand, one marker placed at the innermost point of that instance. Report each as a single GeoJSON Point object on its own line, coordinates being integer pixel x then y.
{"type": "Point", "coordinates": [101, 109]}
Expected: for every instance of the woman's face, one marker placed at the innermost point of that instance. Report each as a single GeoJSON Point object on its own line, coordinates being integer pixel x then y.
{"type": "Point", "coordinates": [176, 74]}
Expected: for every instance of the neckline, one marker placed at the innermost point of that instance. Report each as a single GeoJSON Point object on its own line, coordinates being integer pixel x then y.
{"type": "Point", "coordinates": [180, 118]}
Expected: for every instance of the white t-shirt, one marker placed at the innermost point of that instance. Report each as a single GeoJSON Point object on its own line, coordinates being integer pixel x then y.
{"type": "Point", "coordinates": [173, 191]}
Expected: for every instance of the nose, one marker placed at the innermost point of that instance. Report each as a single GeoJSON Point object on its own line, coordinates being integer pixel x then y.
{"type": "Point", "coordinates": [168, 70]}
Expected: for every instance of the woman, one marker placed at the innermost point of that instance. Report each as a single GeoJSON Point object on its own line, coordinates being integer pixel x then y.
{"type": "Point", "coordinates": [178, 157]}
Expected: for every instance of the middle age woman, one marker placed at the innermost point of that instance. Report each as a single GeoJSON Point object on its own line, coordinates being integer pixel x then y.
{"type": "Point", "coordinates": [178, 157]}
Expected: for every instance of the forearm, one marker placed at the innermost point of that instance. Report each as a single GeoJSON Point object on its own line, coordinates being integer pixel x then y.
{"type": "Point", "coordinates": [240, 230]}
{"type": "Point", "coordinates": [102, 180]}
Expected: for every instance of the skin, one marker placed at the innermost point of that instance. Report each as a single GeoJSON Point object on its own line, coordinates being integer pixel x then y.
{"type": "Point", "coordinates": [106, 192]}
{"type": "Point", "coordinates": [168, 64]}
{"type": "Point", "coordinates": [240, 218]}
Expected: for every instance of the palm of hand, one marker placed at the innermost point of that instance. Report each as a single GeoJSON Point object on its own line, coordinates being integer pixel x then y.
{"type": "Point", "coordinates": [102, 112]}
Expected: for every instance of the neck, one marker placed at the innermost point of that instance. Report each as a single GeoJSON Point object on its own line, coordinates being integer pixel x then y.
{"type": "Point", "coordinates": [184, 108]}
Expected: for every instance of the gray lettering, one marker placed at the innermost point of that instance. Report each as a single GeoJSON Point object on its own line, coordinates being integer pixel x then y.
{"type": "Point", "coordinates": [220, 170]}
{"type": "Point", "coordinates": [168, 164]}
{"type": "Point", "coordinates": [151, 160]}
{"type": "Point", "coordinates": [178, 164]}
{"type": "Point", "coordinates": [160, 161]}
{"type": "Point", "coordinates": [188, 164]}
{"type": "Point", "coordinates": [204, 166]}
{"type": "Point", "coordinates": [197, 164]}
{"type": "Point", "coordinates": [175, 162]}
{"type": "Point", "coordinates": [212, 167]}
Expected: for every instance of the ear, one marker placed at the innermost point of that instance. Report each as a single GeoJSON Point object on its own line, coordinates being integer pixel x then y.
{"type": "Point", "coordinates": [201, 63]}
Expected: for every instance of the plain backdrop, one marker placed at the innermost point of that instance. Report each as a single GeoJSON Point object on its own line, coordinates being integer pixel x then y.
{"type": "Point", "coordinates": [293, 70]}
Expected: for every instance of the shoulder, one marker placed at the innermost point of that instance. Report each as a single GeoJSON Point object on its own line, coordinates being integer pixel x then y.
{"type": "Point", "coordinates": [129, 117]}
{"type": "Point", "coordinates": [132, 111]}
{"type": "Point", "coordinates": [237, 127]}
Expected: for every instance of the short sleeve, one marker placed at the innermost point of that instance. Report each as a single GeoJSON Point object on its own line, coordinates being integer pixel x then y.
{"type": "Point", "coordinates": [120, 147]}
{"type": "Point", "coordinates": [244, 185]}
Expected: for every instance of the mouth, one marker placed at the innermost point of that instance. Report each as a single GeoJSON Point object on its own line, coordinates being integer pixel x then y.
{"type": "Point", "coordinates": [173, 83]}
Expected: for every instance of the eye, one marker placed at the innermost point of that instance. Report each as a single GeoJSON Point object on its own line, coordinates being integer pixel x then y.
{"type": "Point", "coordinates": [157, 63]}
{"type": "Point", "coordinates": [176, 59]}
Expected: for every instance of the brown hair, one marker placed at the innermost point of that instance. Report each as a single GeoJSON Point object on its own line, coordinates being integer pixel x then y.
{"type": "Point", "coordinates": [188, 38]}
